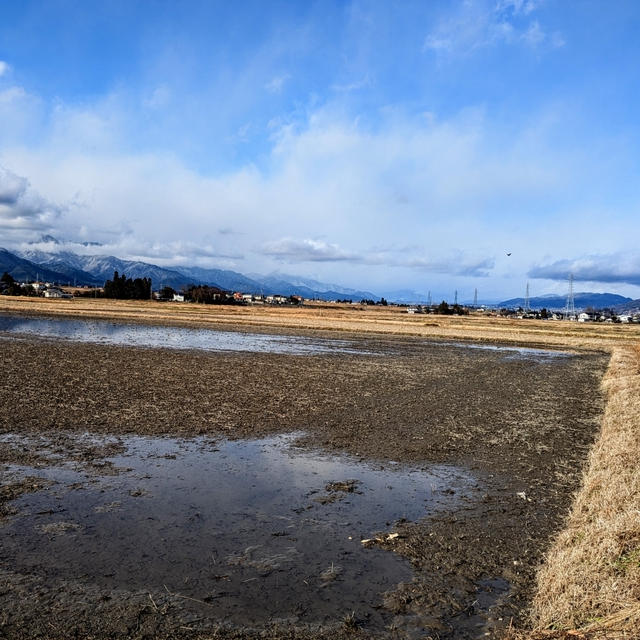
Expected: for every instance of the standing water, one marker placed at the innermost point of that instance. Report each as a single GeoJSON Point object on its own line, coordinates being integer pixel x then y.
{"type": "Point", "coordinates": [256, 529]}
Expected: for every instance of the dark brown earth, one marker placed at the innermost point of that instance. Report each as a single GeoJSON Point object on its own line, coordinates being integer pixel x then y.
{"type": "Point", "coordinates": [523, 427]}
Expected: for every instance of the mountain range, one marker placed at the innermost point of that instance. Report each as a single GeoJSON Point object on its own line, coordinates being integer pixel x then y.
{"type": "Point", "coordinates": [66, 267]}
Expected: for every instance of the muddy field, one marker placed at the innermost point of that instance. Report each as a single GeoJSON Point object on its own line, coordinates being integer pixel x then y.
{"type": "Point", "coordinates": [519, 425]}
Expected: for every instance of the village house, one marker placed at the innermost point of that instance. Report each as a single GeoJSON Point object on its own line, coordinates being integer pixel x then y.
{"type": "Point", "coordinates": [54, 292]}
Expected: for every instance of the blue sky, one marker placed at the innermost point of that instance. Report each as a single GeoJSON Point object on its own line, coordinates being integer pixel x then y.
{"type": "Point", "coordinates": [380, 145]}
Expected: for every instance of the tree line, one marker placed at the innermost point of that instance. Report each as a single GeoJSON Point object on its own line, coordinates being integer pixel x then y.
{"type": "Point", "coordinates": [123, 288]}
{"type": "Point", "coordinates": [10, 287]}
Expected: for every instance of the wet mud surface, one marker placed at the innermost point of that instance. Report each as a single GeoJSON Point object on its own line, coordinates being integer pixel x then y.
{"type": "Point", "coordinates": [515, 428]}
{"type": "Point", "coordinates": [255, 529]}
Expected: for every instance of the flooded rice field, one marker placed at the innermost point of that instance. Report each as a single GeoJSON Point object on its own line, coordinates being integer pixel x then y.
{"type": "Point", "coordinates": [394, 489]}
{"type": "Point", "coordinates": [140, 335]}
{"type": "Point", "coordinates": [253, 530]}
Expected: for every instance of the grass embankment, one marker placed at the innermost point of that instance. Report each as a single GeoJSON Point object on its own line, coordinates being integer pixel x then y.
{"type": "Point", "coordinates": [589, 585]}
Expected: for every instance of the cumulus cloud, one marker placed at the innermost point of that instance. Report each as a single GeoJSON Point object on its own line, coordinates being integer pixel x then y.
{"type": "Point", "coordinates": [21, 207]}
{"type": "Point", "coordinates": [4, 68]}
{"type": "Point", "coordinates": [293, 250]}
{"type": "Point", "coordinates": [609, 268]}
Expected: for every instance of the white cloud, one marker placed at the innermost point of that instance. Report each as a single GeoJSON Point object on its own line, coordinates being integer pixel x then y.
{"type": "Point", "coordinates": [292, 250]}
{"type": "Point", "coordinates": [622, 267]}
{"type": "Point", "coordinates": [158, 98]}
{"type": "Point", "coordinates": [21, 207]}
{"type": "Point", "coordinates": [458, 264]}
{"type": "Point", "coordinates": [276, 84]}
{"type": "Point", "coordinates": [534, 35]}
{"type": "Point", "coordinates": [518, 7]}
{"type": "Point", "coordinates": [477, 24]}
{"type": "Point", "coordinates": [353, 86]}
{"type": "Point", "coordinates": [4, 68]}
{"type": "Point", "coordinates": [243, 131]}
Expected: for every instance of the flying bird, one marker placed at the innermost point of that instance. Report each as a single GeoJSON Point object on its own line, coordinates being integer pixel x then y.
{"type": "Point", "coordinates": [508, 254]}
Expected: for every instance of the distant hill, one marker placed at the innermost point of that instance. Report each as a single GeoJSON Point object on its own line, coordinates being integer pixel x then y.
{"type": "Point", "coordinates": [409, 296]}
{"type": "Point", "coordinates": [222, 278]}
{"type": "Point", "coordinates": [633, 306]}
{"type": "Point", "coordinates": [582, 301]}
{"type": "Point", "coordinates": [281, 283]}
{"type": "Point", "coordinates": [311, 289]}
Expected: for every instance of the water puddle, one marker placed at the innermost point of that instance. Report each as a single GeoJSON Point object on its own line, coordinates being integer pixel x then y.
{"type": "Point", "coordinates": [104, 332]}
{"type": "Point", "coordinates": [255, 530]}
{"type": "Point", "coordinates": [511, 352]}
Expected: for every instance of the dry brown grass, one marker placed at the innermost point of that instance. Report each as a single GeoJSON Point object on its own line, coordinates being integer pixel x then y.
{"type": "Point", "coordinates": [590, 582]}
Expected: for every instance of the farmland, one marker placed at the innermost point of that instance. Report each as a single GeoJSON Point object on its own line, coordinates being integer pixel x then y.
{"type": "Point", "coordinates": [515, 428]}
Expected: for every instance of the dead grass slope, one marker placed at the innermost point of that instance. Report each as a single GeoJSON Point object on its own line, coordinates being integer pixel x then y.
{"type": "Point", "coordinates": [590, 582]}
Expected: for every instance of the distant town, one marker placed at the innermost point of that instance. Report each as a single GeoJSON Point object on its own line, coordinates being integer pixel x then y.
{"type": "Point", "coordinates": [122, 287]}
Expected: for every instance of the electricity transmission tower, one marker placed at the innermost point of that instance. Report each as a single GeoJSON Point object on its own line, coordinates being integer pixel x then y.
{"type": "Point", "coordinates": [475, 298]}
{"type": "Point", "coordinates": [570, 309]}
{"type": "Point", "coordinates": [456, 298]}
{"type": "Point", "coordinates": [429, 299]}
{"type": "Point", "coordinates": [527, 303]}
